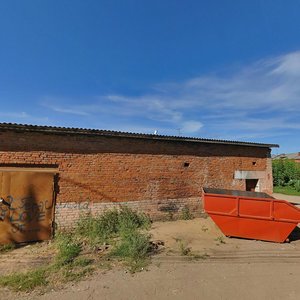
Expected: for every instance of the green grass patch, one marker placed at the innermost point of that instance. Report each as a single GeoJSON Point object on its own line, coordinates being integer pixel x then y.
{"type": "Point", "coordinates": [134, 248]}
{"type": "Point", "coordinates": [68, 249]}
{"type": "Point", "coordinates": [82, 262]}
{"type": "Point", "coordinates": [68, 266]}
{"type": "Point", "coordinates": [123, 229]}
{"type": "Point", "coordinates": [7, 247]}
{"type": "Point", "coordinates": [95, 231]}
{"type": "Point", "coordinates": [287, 190]}
{"type": "Point", "coordinates": [25, 281]}
{"type": "Point", "coordinates": [71, 273]}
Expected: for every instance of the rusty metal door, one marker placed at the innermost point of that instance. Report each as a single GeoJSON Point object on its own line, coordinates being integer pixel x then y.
{"type": "Point", "coordinates": [26, 206]}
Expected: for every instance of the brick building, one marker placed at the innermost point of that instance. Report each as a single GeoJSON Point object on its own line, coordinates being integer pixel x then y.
{"type": "Point", "coordinates": [93, 170]}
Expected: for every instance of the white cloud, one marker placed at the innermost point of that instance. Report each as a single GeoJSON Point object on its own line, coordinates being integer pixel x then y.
{"type": "Point", "coordinates": [255, 100]}
{"type": "Point", "coordinates": [72, 111]}
{"type": "Point", "coordinates": [288, 65]}
{"type": "Point", "coordinates": [191, 126]}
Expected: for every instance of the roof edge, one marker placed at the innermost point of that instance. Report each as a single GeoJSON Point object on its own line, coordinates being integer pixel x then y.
{"type": "Point", "coordinates": [111, 133]}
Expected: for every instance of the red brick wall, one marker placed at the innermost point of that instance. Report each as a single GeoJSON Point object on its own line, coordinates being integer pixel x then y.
{"type": "Point", "coordinates": [147, 174]}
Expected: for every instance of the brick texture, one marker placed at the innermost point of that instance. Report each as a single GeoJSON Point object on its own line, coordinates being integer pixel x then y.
{"type": "Point", "coordinates": [96, 173]}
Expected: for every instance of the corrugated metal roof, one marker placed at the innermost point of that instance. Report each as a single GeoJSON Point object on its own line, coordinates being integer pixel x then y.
{"type": "Point", "coordinates": [110, 133]}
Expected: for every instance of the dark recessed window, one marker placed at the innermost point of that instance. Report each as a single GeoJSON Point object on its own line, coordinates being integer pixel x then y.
{"type": "Point", "coordinates": [254, 163]}
{"type": "Point", "coordinates": [186, 164]}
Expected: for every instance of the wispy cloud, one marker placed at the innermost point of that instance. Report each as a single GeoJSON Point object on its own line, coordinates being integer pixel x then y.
{"type": "Point", "coordinates": [14, 115]}
{"type": "Point", "coordinates": [22, 117]}
{"type": "Point", "coordinates": [260, 99]}
{"type": "Point", "coordinates": [72, 110]}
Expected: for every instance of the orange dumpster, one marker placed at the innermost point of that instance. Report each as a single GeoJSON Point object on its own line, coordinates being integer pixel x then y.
{"type": "Point", "coordinates": [251, 215]}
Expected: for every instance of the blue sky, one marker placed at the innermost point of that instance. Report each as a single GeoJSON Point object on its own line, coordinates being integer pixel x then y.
{"type": "Point", "coordinates": [213, 69]}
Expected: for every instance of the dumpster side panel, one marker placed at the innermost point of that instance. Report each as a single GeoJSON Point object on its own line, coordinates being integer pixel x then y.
{"type": "Point", "coordinates": [254, 228]}
{"type": "Point", "coordinates": [221, 204]}
{"type": "Point", "coordinates": [255, 208]}
{"type": "Point", "coordinates": [284, 211]}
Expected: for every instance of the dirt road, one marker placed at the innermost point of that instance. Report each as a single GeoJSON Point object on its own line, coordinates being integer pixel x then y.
{"type": "Point", "coordinates": [295, 199]}
{"type": "Point", "coordinates": [194, 280]}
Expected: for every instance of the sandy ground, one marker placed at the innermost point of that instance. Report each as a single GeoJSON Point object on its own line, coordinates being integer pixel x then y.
{"type": "Point", "coordinates": [194, 280]}
{"type": "Point", "coordinates": [217, 267]}
{"type": "Point", "coordinates": [25, 258]}
{"type": "Point", "coordinates": [294, 199]}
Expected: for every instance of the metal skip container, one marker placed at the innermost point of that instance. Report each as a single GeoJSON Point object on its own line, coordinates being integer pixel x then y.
{"type": "Point", "coordinates": [251, 215]}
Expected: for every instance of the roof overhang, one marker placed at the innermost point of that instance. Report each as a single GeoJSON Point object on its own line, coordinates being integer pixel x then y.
{"type": "Point", "coordinates": [108, 133]}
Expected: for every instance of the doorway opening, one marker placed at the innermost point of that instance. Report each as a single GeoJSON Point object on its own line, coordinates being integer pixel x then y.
{"type": "Point", "coordinates": [251, 185]}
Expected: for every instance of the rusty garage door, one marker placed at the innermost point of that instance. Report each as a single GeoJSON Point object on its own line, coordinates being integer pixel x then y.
{"type": "Point", "coordinates": [26, 206]}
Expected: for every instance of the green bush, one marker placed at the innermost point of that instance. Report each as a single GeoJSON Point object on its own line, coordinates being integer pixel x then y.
{"type": "Point", "coordinates": [297, 186]}
{"type": "Point", "coordinates": [285, 172]}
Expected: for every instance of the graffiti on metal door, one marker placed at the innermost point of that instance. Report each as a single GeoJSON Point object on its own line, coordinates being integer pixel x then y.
{"type": "Point", "coordinates": [26, 206]}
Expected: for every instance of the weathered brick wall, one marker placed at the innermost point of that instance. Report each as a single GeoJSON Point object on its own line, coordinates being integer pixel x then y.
{"type": "Point", "coordinates": [146, 174]}
{"type": "Point", "coordinates": [165, 209]}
